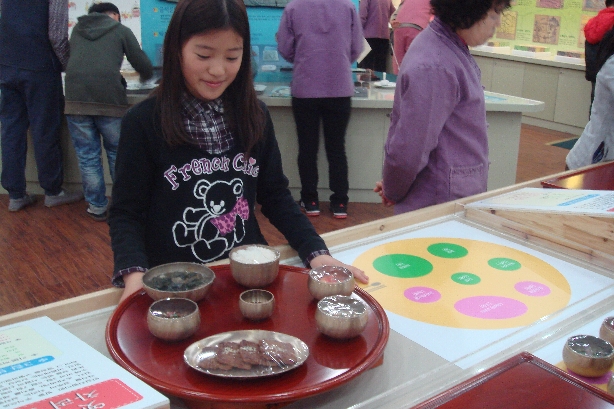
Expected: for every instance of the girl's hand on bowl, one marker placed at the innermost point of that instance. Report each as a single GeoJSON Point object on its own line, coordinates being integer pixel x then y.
{"type": "Point", "coordinates": [326, 260]}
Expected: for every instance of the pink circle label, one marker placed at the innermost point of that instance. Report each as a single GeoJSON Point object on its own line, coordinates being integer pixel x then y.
{"type": "Point", "coordinates": [532, 288]}
{"type": "Point", "coordinates": [422, 294]}
{"type": "Point", "coordinates": [490, 307]}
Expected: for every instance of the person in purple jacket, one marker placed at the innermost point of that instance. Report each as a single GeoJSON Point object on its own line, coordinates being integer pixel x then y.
{"type": "Point", "coordinates": [437, 146]}
{"type": "Point", "coordinates": [374, 17]}
{"type": "Point", "coordinates": [322, 38]}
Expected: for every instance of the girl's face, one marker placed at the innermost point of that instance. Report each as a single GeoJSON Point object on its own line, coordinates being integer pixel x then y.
{"type": "Point", "coordinates": [210, 62]}
{"type": "Point", "coordinates": [484, 29]}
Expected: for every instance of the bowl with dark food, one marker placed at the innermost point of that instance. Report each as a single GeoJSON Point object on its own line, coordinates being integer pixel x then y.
{"type": "Point", "coordinates": [330, 280]}
{"type": "Point", "coordinates": [256, 304]}
{"type": "Point", "coordinates": [588, 356]}
{"type": "Point", "coordinates": [606, 331]}
{"type": "Point", "coordinates": [341, 317]}
{"type": "Point", "coordinates": [178, 280]}
{"type": "Point", "coordinates": [173, 319]}
{"type": "Point", "coordinates": [254, 265]}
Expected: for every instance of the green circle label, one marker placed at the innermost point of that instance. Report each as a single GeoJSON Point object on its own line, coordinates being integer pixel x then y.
{"type": "Point", "coordinates": [466, 278]}
{"type": "Point", "coordinates": [402, 265]}
{"type": "Point", "coordinates": [505, 264]}
{"type": "Point", "coordinates": [447, 250]}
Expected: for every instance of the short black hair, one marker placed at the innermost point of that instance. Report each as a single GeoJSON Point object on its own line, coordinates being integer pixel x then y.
{"type": "Point", "coordinates": [609, 3]}
{"type": "Point", "coordinates": [103, 8]}
{"type": "Point", "coordinates": [462, 14]}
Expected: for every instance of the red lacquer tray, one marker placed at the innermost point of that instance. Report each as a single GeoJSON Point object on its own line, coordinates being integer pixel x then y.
{"type": "Point", "coordinates": [330, 362]}
{"type": "Point", "coordinates": [521, 382]}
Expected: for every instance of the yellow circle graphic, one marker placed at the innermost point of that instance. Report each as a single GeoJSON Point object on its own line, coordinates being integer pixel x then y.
{"type": "Point", "coordinates": [463, 283]}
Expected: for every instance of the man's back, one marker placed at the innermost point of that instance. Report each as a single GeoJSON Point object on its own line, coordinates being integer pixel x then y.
{"type": "Point", "coordinates": [24, 26]}
{"type": "Point", "coordinates": [98, 44]}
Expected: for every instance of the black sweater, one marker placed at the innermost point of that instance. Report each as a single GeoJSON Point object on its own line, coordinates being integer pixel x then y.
{"type": "Point", "coordinates": [175, 204]}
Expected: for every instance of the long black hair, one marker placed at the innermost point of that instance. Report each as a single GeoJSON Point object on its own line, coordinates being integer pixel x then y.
{"type": "Point", "coordinates": [192, 17]}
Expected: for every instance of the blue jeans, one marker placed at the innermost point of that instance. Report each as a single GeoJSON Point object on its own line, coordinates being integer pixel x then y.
{"type": "Point", "coordinates": [31, 100]}
{"type": "Point", "coordinates": [85, 131]}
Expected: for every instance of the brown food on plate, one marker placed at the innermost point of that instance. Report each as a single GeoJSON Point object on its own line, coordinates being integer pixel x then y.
{"type": "Point", "coordinates": [228, 354]}
{"type": "Point", "coordinates": [208, 360]}
{"type": "Point", "coordinates": [278, 352]}
{"type": "Point", "coordinates": [250, 353]}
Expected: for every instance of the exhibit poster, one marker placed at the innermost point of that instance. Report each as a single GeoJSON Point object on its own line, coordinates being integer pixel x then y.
{"type": "Point", "coordinates": [264, 17]}
{"type": "Point", "coordinates": [549, 27]}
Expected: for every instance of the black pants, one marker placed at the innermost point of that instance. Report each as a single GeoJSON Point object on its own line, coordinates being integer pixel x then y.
{"type": "Point", "coordinates": [334, 113]}
{"type": "Point", "coordinates": [377, 57]}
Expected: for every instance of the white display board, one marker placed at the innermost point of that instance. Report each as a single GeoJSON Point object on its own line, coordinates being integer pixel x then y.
{"type": "Point", "coordinates": [42, 365]}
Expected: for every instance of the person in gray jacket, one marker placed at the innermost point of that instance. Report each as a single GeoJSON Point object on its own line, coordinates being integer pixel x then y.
{"type": "Point", "coordinates": [96, 97]}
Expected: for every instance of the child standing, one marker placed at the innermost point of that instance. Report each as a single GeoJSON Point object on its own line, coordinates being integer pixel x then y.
{"type": "Point", "coordinates": [195, 157]}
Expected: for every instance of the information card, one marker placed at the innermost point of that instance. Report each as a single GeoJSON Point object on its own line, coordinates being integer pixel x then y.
{"type": "Point", "coordinates": [577, 201]}
{"type": "Point", "coordinates": [44, 366]}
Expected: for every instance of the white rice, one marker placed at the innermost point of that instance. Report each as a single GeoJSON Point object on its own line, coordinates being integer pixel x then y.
{"type": "Point", "coordinates": [254, 255]}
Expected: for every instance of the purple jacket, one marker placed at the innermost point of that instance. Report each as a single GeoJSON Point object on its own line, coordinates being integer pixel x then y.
{"type": "Point", "coordinates": [322, 38]}
{"type": "Point", "coordinates": [374, 17]}
{"type": "Point", "coordinates": [437, 146]}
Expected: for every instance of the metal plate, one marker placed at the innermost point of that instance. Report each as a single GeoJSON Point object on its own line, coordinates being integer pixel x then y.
{"type": "Point", "coordinates": [378, 84]}
{"type": "Point", "coordinates": [194, 353]}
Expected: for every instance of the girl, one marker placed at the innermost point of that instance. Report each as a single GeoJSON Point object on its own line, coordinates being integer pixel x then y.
{"type": "Point", "coordinates": [194, 158]}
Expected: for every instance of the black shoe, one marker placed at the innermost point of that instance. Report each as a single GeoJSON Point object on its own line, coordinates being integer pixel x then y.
{"type": "Point", "coordinates": [340, 210]}
{"type": "Point", "coordinates": [311, 208]}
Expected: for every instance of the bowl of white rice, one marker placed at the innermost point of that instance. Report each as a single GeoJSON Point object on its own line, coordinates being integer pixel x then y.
{"type": "Point", "coordinates": [254, 265]}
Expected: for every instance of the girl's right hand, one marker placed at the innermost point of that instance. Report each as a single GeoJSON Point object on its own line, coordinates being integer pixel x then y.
{"type": "Point", "coordinates": [133, 283]}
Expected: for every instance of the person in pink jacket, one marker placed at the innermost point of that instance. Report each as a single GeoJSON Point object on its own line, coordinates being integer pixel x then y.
{"type": "Point", "coordinates": [411, 17]}
{"type": "Point", "coordinates": [437, 146]}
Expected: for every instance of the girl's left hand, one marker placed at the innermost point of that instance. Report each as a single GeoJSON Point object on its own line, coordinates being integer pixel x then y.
{"type": "Point", "coordinates": [326, 260]}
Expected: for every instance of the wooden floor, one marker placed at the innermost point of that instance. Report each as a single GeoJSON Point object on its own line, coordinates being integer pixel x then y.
{"type": "Point", "coordinates": [49, 255]}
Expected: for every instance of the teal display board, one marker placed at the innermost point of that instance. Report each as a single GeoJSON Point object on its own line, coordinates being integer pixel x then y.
{"type": "Point", "coordinates": [155, 16]}
{"type": "Point", "coordinates": [264, 22]}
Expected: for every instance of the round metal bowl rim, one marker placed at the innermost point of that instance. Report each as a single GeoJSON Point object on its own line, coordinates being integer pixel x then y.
{"type": "Point", "coordinates": [206, 272]}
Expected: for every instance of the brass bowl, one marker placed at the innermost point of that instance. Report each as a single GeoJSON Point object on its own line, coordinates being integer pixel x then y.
{"type": "Point", "coordinates": [606, 332]}
{"type": "Point", "coordinates": [254, 265]}
{"type": "Point", "coordinates": [330, 280]}
{"type": "Point", "coordinates": [256, 304]}
{"type": "Point", "coordinates": [178, 280]}
{"type": "Point", "coordinates": [588, 356]}
{"type": "Point", "coordinates": [341, 317]}
{"type": "Point", "coordinates": [173, 319]}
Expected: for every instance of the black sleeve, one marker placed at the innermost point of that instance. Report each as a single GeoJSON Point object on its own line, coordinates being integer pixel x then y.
{"type": "Point", "coordinates": [132, 188]}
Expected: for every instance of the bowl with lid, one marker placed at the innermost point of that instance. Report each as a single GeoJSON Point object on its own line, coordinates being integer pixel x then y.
{"type": "Point", "coordinates": [588, 356]}
{"type": "Point", "coordinates": [330, 280]}
{"type": "Point", "coordinates": [254, 265]}
{"type": "Point", "coordinates": [178, 280]}
{"type": "Point", "coordinates": [341, 317]}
